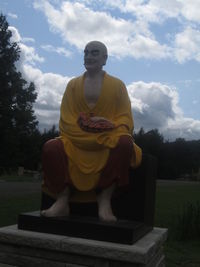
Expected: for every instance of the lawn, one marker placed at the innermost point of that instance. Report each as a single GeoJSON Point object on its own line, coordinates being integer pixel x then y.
{"type": "Point", "coordinates": [10, 207]}
{"type": "Point", "coordinates": [172, 199]}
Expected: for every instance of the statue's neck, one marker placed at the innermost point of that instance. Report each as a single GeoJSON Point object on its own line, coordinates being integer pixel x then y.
{"type": "Point", "coordinates": [94, 74]}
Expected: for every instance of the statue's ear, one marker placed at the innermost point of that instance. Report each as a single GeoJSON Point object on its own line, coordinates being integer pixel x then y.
{"type": "Point", "coordinates": [105, 59]}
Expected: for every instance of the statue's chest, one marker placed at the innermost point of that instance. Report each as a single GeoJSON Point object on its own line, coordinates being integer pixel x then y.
{"type": "Point", "coordinates": [92, 91]}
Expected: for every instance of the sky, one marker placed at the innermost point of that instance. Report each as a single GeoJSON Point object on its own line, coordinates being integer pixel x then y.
{"type": "Point", "coordinates": [153, 47]}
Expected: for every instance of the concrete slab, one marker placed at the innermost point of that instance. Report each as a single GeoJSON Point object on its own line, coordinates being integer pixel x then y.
{"type": "Point", "coordinates": [142, 253]}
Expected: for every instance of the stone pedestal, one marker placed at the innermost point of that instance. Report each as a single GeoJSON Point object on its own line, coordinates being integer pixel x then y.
{"type": "Point", "coordinates": [121, 231]}
{"type": "Point", "coordinates": [26, 248]}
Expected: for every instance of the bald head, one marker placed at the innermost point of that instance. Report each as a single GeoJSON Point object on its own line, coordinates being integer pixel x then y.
{"type": "Point", "coordinates": [100, 45]}
{"type": "Point", "coordinates": [95, 56]}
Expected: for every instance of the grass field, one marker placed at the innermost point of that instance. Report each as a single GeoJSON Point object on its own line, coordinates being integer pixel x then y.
{"type": "Point", "coordinates": [171, 199]}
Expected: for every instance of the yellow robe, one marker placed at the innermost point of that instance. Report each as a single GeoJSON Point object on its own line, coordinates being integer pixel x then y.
{"type": "Point", "coordinates": [88, 152]}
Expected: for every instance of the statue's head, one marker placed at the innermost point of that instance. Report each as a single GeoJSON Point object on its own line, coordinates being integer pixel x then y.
{"type": "Point", "coordinates": [95, 56]}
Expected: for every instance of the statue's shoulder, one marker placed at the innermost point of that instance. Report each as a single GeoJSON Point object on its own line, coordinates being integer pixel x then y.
{"type": "Point", "coordinates": [75, 80]}
{"type": "Point", "coordinates": [74, 84]}
{"type": "Point", "coordinates": [115, 80]}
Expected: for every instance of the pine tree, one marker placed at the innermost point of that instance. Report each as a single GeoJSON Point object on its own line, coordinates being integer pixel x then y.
{"type": "Point", "coordinates": [17, 119]}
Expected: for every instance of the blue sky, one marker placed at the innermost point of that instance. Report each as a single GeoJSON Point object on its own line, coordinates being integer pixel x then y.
{"type": "Point", "coordinates": [154, 47]}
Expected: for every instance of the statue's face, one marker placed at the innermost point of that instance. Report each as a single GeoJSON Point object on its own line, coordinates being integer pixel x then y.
{"type": "Point", "coordinates": [95, 56]}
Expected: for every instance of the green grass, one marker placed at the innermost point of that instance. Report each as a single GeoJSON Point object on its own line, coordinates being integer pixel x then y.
{"type": "Point", "coordinates": [16, 178]}
{"type": "Point", "coordinates": [10, 207]}
{"type": "Point", "coordinates": [182, 254]}
{"type": "Point", "coordinates": [170, 202]}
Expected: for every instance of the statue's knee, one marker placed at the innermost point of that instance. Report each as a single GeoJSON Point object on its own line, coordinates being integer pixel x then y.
{"type": "Point", "coordinates": [49, 147]}
{"type": "Point", "coordinates": [126, 143]}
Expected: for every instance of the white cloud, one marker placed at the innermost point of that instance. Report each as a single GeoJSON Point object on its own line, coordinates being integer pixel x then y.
{"type": "Point", "coordinates": [156, 105]}
{"type": "Point", "coordinates": [77, 24]}
{"type": "Point", "coordinates": [182, 127]}
{"type": "Point", "coordinates": [15, 34]}
{"type": "Point", "coordinates": [187, 45]}
{"type": "Point", "coordinates": [157, 10]}
{"type": "Point", "coordinates": [59, 50]}
{"type": "Point", "coordinates": [28, 39]}
{"type": "Point", "coordinates": [50, 88]}
{"type": "Point", "coordinates": [27, 53]}
{"type": "Point", "coordinates": [141, 9]}
{"type": "Point", "coordinates": [190, 10]}
{"type": "Point", "coordinates": [133, 36]}
{"type": "Point", "coordinates": [12, 15]}
{"type": "Point", "coordinates": [148, 11]}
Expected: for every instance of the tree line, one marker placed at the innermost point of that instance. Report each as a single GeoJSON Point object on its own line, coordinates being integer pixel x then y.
{"type": "Point", "coordinates": [177, 159]}
{"type": "Point", "coordinates": [21, 141]}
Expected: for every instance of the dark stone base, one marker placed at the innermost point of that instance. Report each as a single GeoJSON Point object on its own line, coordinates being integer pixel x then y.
{"type": "Point", "coordinates": [122, 231]}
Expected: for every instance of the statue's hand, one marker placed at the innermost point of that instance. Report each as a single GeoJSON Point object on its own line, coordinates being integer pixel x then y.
{"type": "Point", "coordinates": [97, 118]}
{"type": "Point", "coordinates": [94, 123]}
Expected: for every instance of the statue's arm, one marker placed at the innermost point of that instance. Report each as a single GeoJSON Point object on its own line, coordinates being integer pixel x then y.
{"type": "Point", "coordinates": [68, 114]}
{"type": "Point", "coordinates": [124, 117]}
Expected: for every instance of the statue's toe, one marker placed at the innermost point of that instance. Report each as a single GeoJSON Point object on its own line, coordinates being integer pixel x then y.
{"type": "Point", "coordinates": [43, 212]}
{"type": "Point", "coordinates": [106, 214]}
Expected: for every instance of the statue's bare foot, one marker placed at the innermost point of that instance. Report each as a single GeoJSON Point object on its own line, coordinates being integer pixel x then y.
{"type": "Point", "coordinates": [60, 207]}
{"type": "Point", "coordinates": [104, 205]}
{"type": "Point", "coordinates": [105, 212]}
